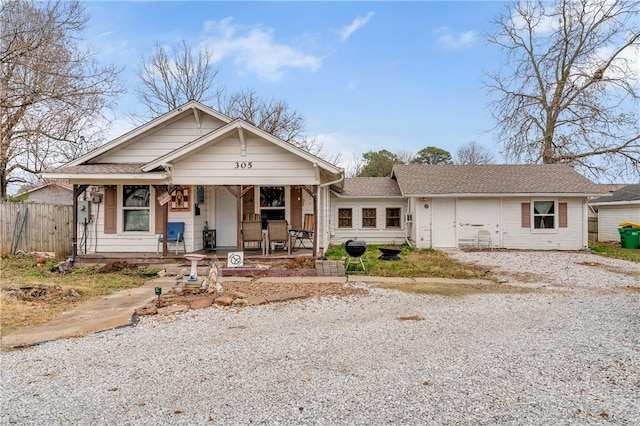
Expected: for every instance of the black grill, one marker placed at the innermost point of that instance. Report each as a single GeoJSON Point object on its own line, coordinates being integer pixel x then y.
{"type": "Point", "coordinates": [355, 248]}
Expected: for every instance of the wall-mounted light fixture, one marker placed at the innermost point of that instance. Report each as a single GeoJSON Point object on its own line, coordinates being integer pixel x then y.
{"type": "Point", "coordinates": [426, 206]}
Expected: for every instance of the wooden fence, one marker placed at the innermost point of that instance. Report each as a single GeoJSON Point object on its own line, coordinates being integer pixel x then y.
{"type": "Point", "coordinates": [593, 229]}
{"type": "Point", "coordinates": [36, 227]}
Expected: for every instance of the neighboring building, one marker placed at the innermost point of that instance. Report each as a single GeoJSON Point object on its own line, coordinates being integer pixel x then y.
{"type": "Point", "coordinates": [622, 206]}
{"type": "Point", "coordinates": [197, 166]}
{"type": "Point", "coordinates": [50, 193]}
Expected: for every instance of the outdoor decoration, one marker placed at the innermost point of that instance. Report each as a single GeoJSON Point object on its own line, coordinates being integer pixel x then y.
{"type": "Point", "coordinates": [180, 199]}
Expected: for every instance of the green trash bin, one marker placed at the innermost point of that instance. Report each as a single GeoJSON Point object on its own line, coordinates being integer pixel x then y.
{"type": "Point", "coordinates": [629, 238]}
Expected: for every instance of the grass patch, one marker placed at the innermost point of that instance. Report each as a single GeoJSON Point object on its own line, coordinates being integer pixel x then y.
{"type": "Point", "coordinates": [615, 251]}
{"type": "Point", "coordinates": [457, 290]}
{"type": "Point", "coordinates": [59, 292]}
{"type": "Point", "coordinates": [412, 263]}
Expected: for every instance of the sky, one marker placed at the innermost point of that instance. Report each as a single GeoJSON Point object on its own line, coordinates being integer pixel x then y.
{"type": "Point", "coordinates": [366, 76]}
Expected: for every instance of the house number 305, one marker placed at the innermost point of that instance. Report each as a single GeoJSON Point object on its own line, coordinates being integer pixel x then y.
{"type": "Point", "coordinates": [244, 165]}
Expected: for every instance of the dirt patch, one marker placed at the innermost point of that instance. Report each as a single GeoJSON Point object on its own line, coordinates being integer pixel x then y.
{"type": "Point", "coordinates": [266, 290]}
{"type": "Point", "coordinates": [116, 267]}
{"type": "Point", "coordinates": [32, 292]}
{"type": "Point", "coordinates": [610, 268]}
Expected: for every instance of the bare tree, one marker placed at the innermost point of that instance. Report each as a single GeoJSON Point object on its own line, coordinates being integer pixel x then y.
{"type": "Point", "coordinates": [275, 117]}
{"type": "Point", "coordinates": [172, 77]}
{"type": "Point", "coordinates": [473, 153]}
{"type": "Point", "coordinates": [566, 92]}
{"type": "Point", "coordinates": [51, 89]}
{"type": "Point", "coordinates": [272, 116]}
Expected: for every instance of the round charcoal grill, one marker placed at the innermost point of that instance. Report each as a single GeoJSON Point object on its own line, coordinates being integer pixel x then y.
{"type": "Point", "coordinates": [355, 249]}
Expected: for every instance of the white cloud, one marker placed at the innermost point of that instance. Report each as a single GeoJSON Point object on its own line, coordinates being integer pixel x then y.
{"type": "Point", "coordinates": [451, 41]}
{"type": "Point", "coordinates": [345, 32]}
{"type": "Point", "coordinates": [255, 49]}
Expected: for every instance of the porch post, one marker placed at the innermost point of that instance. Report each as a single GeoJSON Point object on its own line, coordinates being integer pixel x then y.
{"type": "Point", "coordinates": [315, 221]}
{"type": "Point", "coordinates": [239, 217]}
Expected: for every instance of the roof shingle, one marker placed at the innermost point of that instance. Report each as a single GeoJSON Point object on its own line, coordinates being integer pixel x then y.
{"type": "Point", "coordinates": [370, 187]}
{"type": "Point", "coordinates": [424, 180]}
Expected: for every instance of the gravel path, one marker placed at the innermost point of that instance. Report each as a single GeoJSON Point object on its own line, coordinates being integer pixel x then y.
{"type": "Point", "coordinates": [566, 354]}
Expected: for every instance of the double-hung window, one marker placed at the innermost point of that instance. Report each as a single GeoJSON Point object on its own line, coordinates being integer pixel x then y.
{"type": "Point", "coordinates": [544, 215]}
{"type": "Point", "coordinates": [368, 217]}
{"type": "Point", "coordinates": [392, 217]}
{"type": "Point", "coordinates": [345, 218]}
{"type": "Point", "coordinates": [135, 207]}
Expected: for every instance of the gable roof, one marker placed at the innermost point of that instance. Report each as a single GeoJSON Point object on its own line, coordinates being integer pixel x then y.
{"type": "Point", "coordinates": [627, 194]}
{"type": "Point", "coordinates": [512, 179]}
{"type": "Point", "coordinates": [233, 126]}
{"type": "Point", "coordinates": [190, 107]}
{"type": "Point", "coordinates": [370, 187]}
{"type": "Point", "coordinates": [61, 185]}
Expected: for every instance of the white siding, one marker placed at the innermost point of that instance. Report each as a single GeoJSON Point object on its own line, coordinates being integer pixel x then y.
{"type": "Point", "coordinates": [221, 163]}
{"type": "Point", "coordinates": [422, 222]}
{"type": "Point", "coordinates": [502, 217]}
{"type": "Point", "coordinates": [378, 235]}
{"type": "Point", "coordinates": [475, 215]}
{"type": "Point", "coordinates": [162, 141]}
{"type": "Point", "coordinates": [573, 237]}
{"type": "Point", "coordinates": [134, 242]}
{"type": "Point", "coordinates": [609, 218]}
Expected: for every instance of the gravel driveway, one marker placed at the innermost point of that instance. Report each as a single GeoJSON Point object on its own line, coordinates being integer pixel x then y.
{"type": "Point", "coordinates": [567, 353]}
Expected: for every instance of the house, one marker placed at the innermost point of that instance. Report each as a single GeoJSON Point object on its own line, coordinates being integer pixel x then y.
{"type": "Point", "coordinates": [53, 192]}
{"type": "Point", "coordinates": [197, 166]}
{"type": "Point", "coordinates": [622, 206]}
{"type": "Point", "coordinates": [445, 206]}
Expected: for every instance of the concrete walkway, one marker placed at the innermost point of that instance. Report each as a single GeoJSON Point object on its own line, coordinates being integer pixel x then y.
{"type": "Point", "coordinates": [116, 310]}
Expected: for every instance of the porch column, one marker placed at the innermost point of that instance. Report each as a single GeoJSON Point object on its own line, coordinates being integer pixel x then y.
{"type": "Point", "coordinates": [77, 190]}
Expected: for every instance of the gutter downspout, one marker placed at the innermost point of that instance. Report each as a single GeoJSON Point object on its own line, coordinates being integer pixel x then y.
{"type": "Point", "coordinates": [407, 238]}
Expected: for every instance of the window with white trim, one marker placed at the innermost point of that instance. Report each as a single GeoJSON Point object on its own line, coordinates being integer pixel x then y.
{"type": "Point", "coordinates": [392, 218]}
{"type": "Point", "coordinates": [544, 214]}
{"type": "Point", "coordinates": [369, 218]}
{"type": "Point", "coordinates": [135, 207]}
{"type": "Point", "coordinates": [345, 218]}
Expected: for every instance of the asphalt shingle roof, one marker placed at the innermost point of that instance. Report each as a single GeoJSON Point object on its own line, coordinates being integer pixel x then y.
{"type": "Point", "coordinates": [371, 187]}
{"type": "Point", "coordinates": [100, 169]}
{"type": "Point", "coordinates": [626, 193]}
{"type": "Point", "coordinates": [492, 179]}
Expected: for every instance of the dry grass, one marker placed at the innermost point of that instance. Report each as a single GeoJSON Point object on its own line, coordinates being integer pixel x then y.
{"type": "Point", "coordinates": [458, 290]}
{"type": "Point", "coordinates": [59, 292]}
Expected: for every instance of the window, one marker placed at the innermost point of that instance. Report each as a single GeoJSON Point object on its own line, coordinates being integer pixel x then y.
{"type": "Point", "coordinates": [345, 218]}
{"type": "Point", "coordinates": [135, 207]}
{"type": "Point", "coordinates": [369, 218]}
{"type": "Point", "coordinates": [393, 217]}
{"type": "Point", "coordinates": [544, 214]}
{"type": "Point", "coordinates": [272, 196]}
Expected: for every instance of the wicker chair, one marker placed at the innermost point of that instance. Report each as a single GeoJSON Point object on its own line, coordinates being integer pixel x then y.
{"type": "Point", "coordinates": [278, 232]}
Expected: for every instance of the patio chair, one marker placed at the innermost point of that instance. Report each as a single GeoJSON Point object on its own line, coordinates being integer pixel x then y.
{"type": "Point", "coordinates": [304, 234]}
{"type": "Point", "coordinates": [175, 234]}
{"type": "Point", "coordinates": [278, 233]}
{"type": "Point", "coordinates": [484, 239]}
{"type": "Point", "coordinates": [252, 233]}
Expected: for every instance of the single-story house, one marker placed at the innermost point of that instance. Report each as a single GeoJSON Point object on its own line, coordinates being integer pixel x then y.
{"type": "Point", "coordinates": [196, 166]}
{"type": "Point", "coordinates": [53, 192]}
{"type": "Point", "coordinates": [622, 206]}
{"type": "Point", "coordinates": [537, 206]}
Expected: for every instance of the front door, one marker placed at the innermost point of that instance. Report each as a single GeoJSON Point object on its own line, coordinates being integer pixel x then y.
{"type": "Point", "coordinates": [444, 222]}
{"type": "Point", "coordinates": [226, 221]}
{"type": "Point", "coordinates": [296, 207]}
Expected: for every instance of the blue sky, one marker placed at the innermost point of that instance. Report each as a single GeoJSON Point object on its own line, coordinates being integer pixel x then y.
{"type": "Point", "coordinates": [366, 75]}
